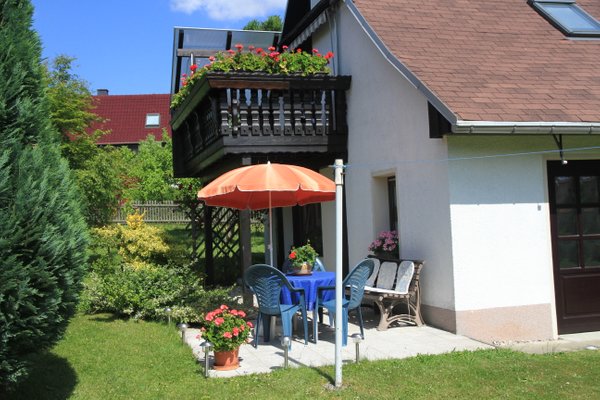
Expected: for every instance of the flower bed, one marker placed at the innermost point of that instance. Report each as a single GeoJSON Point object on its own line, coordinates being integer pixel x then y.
{"type": "Point", "coordinates": [255, 60]}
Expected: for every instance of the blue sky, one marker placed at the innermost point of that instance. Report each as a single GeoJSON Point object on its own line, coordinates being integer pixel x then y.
{"type": "Point", "coordinates": [125, 46]}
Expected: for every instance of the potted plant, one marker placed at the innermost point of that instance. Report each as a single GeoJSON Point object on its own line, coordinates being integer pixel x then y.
{"type": "Point", "coordinates": [286, 62]}
{"type": "Point", "coordinates": [386, 246]}
{"type": "Point", "coordinates": [302, 258]}
{"type": "Point", "coordinates": [227, 330]}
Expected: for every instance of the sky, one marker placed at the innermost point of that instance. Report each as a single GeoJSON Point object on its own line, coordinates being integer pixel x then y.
{"type": "Point", "coordinates": [126, 46]}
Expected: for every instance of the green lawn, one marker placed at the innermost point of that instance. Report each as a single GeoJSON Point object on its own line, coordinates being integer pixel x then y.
{"type": "Point", "coordinates": [106, 358]}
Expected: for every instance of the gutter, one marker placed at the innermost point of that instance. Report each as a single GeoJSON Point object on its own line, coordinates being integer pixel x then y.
{"type": "Point", "coordinates": [524, 128]}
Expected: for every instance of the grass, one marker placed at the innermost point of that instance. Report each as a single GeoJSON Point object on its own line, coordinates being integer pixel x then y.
{"type": "Point", "coordinates": [105, 358]}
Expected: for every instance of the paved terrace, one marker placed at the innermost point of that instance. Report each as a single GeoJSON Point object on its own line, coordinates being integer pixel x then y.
{"type": "Point", "coordinates": [396, 342]}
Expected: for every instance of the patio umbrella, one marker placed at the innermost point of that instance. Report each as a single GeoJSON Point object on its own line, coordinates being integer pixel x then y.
{"type": "Point", "coordinates": [263, 186]}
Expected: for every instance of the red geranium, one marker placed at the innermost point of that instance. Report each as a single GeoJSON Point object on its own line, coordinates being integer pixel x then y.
{"type": "Point", "coordinates": [225, 329]}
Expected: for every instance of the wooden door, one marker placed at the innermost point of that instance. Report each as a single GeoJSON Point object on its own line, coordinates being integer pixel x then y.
{"type": "Point", "coordinates": [575, 222]}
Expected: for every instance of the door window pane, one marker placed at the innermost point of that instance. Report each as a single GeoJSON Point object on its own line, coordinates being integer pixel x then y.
{"type": "Point", "coordinates": [565, 189]}
{"type": "Point", "coordinates": [588, 185]}
{"type": "Point", "coordinates": [591, 253]}
{"type": "Point", "coordinates": [567, 254]}
{"type": "Point", "coordinates": [567, 221]}
{"type": "Point", "coordinates": [590, 220]}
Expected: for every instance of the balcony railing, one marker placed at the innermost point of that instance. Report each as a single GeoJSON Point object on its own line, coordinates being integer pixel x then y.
{"type": "Point", "coordinates": [227, 114]}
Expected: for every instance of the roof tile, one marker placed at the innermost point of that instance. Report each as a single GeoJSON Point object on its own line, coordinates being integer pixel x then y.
{"type": "Point", "coordinates": [504, 58]}
{"type": "Point", "coordinates": [125, 117]}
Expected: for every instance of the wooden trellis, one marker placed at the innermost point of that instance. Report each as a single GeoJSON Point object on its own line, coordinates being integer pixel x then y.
{"type": "Point", "coordinates": [225, 232]}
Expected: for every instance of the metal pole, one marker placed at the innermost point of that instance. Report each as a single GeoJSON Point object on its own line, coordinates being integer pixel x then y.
{"type": "Point", "coordinates": [339, 182]}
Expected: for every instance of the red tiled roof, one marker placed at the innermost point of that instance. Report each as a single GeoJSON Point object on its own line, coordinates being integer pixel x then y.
{"type": "Point", "coordinates": [493, 60]}
{"type": "Point", "coordinates": [125, 117]}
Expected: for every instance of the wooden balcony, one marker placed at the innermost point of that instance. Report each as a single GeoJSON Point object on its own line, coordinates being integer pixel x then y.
{"type": "Point", "coordinates": [230, 116]}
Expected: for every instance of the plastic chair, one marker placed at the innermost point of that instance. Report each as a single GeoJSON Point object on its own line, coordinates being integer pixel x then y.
{"type": "Point", "coordinates": [318, 265]}
{"type": "Point", "coordinates": [266, 283]}
{"type": "Point", "coordinates": [355, 282]}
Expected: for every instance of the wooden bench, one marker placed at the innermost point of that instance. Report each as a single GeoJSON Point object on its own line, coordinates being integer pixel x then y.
{"type": "Point", "coordinates": [388, 287]}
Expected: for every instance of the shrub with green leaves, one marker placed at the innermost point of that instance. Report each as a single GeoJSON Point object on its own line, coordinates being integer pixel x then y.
{"type": "Point", "coordinates": [135, 273]}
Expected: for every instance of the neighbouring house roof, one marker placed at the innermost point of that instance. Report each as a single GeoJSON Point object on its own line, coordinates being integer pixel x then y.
{"type": "Point", "coordinates": [495, 61]}
{"type": "Point", "coordinates": [125, 116]}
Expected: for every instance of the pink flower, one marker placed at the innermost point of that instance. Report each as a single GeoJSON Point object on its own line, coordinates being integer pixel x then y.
{"type": "Point", "coordinates": [231, 51]}
{"type": "Point", "coordinates": [271, 48]}
{"type": "Point", "coordinates": [242, 314]}
{"type": "Point", "coordinates": [259, 50]}
{"type": "Point", "coordinates": [242, 327]}
{"type": "Point", "coordinates": [219, 321]}
{"type": "Point", "coordinates": [239, 46]}
{"type": "Point", "coordinates": [236, 331]}
{"type": "Point", "coordinates": [250, 47]}
{"type": "Point", "coordinates": [211, 58]}
{"type": "Point", "coordinates": [234, 312]}
{"type": "Point", "coordinates": [224, 307]}
{"type": "Point", "coordinates": [193, 67]}
{"type": "Point", "coordinates": [209, 316]}
{"type": "Point", "coordinates": [315, 51]}
{"type": "Point", "coordinates": [329, 55]}
{"type": "Point", "coordinates": [284, 47]}
{"type": "Point", "coordinates": [249, 324]}
{"type": "Point", "coordinates": [227, 335]}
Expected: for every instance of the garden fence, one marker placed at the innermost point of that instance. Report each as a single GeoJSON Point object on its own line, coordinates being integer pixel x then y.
{"type": "Point", "coordinates": [155, 211]}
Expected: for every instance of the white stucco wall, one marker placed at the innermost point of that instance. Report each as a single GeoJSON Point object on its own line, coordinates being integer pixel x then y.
{"type": "Point", "coordinates": [500, 219]}
{"type": "Point", "coordinates": [388, 135]}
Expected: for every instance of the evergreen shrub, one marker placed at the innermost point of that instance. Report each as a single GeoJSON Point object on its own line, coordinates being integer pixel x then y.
{"type": "Point", "coordinates": [43, 237]}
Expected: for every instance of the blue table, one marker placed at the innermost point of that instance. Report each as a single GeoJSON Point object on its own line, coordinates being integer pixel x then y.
{"type": "Point", "coordinates": [310, 284]}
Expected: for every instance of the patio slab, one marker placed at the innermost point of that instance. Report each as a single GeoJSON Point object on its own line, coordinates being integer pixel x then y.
{"type": "Point", "coordinates": [570, 342]}
{"type": "Point", "coordinates": [397, 342]}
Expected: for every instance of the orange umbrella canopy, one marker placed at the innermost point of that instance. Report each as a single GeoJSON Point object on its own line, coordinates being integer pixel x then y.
{"type": "Point", "coordinates": [262, 186]}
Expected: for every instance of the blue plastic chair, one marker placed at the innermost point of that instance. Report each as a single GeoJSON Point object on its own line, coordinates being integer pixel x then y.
{"type": "Point", "coordinates": [355, 285]}
{"type": "Point", "coordinates": [318, 265]}
{"type": "Point", "coordinates": [266, 283]}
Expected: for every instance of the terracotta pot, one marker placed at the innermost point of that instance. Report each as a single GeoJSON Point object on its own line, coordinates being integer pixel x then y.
{"type": "Point", "coordinates": [304, 269]}
{"type": "Point", "coordinates": [386, 255]}
{"type": "Point", "coordinates": [227, 360]}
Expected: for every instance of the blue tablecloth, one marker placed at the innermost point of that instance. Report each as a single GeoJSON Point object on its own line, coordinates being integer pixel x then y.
{"type": "Point", "coordinates": [310, 284]}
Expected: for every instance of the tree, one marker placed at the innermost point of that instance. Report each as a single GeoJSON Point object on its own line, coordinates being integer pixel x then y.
{"type": "Point", "coordinates": [71, 102]}
{"type": "Point", "coordinates": [103, 180]}
{"type": "Point", "coordinates": [272, 23]}
{"type": "Point", "coordinates": [42, 233]}
{"type": "Point", "coordinates": [151, 170]}
{"type": "Point", "coordinates": [100, 172]}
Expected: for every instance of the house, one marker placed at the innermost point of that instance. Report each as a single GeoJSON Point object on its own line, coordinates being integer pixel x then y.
{"type": "Point", "coordinates": [473, 128]}
{"type": "Point", "coordinates": [131, 118]}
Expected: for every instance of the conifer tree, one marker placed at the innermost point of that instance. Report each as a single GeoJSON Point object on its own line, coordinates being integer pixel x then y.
{"type": "Point", "coordinates": [43, 236]}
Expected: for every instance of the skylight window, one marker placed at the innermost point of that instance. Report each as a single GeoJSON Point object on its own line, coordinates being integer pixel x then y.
{"type": "Point", "coordinates": [152, 120]}
{"type": "Point", "coordinates": [567, 16]}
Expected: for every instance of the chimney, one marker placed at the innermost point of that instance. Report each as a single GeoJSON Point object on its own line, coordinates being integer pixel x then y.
{"type": "Point", "coordinates": [102, 92]}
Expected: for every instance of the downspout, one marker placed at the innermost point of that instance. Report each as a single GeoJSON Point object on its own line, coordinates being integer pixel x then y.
{"type": "Point", "coordinates": [333, 38]}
